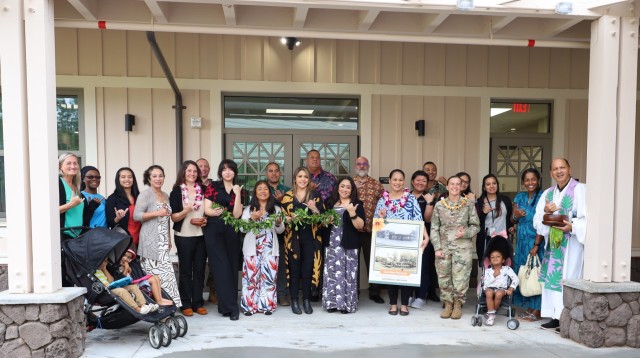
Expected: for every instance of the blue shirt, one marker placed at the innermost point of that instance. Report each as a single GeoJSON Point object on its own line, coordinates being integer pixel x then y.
{"type": "Point", "coordinates": [99, 219]}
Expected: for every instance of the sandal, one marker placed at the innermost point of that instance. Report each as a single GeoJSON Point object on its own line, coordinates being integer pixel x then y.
{"type": "Point", "coordinates": [529, 318]}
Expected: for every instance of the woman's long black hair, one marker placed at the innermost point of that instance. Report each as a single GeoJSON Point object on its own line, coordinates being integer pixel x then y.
{"type": "Point", "coordinates": [119, 191]}
{"type": "Point", "coordinates": [484, 194]}
{"type": "Point", "coordinates": [468, 190]}
{"type": "Point", "coordinates": [255, 203]}
{"type": "Point", "coordinates": [335, 195]}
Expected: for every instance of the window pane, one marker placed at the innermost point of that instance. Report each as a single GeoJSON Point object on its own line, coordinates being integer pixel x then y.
{"type": "Point", "coordinates": [291, 113]}
{"type": "Point", "coordinates": [519, 117]}
{"type": "Point", "coordinates": [68, 131]}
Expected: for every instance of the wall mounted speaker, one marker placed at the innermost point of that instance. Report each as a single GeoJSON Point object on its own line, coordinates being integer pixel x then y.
{"type": "Point", "coordinates": [129, 122]}
{"type": "Point", "coordinates": [420, 127]}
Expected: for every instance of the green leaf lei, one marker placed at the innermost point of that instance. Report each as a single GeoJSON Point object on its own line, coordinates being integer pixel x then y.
{"type": "Point", "coordinates": [300, 218]}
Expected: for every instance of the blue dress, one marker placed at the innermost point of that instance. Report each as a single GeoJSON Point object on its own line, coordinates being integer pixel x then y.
{"type": "Point", "coordinates": [526, 237]}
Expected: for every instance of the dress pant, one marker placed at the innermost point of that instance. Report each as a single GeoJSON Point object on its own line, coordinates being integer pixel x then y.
{"type": "Point", "coordinates": [365, 242]}
{"type": "Point", "coordinates": [223, 249]}
{"type": "Point", "coordinates": [281, 285]}
{"type": "Point", "coordinates": [427, 281]}
{"type": "Point", "coordinates": [405, 292]}
{"type": "Point", "coordinates": [192, 257]}
{"type": "Point", "coordinates": [302, 267]}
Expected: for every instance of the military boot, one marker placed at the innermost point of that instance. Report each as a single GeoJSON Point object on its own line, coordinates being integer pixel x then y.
{"type": "Point", "coordinates": [448, 308]}
{"type": "Point", "coordinates": [457, 310]}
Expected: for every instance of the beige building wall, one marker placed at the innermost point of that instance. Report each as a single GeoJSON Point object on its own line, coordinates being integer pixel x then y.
{"type": "Point", "coordinates": [449, 86]}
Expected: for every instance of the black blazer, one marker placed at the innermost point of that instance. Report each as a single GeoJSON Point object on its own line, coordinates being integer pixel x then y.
{"type": "Point", "coordinates": [117, 202]}
{"type": "Point", "coordinates": [350, 238]}
{"type": "Point", "coordinates": [482, 235]}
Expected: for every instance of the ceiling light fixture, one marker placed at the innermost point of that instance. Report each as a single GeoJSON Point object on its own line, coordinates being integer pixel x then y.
{"type": "Point", "coordinates": [464, 5]}
{"type": "Point", "coordinates": [290, 42]}
{"type": "Point", "coordinates": [564, 8]}
{"type": "Point", "coordinates": [289, 111]}
{"type": "Point", "coordinates": [496, 111]}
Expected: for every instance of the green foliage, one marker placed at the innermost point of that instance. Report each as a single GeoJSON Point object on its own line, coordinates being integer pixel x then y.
{"type": "Point", "coordinates": [566, 204]}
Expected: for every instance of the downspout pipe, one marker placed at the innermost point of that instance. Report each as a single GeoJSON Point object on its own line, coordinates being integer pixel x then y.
{"type": "Point", "coordinates": [178, 107]}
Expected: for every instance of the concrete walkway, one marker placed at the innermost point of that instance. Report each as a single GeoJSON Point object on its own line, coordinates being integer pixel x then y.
{"type": "Point", "coordinates": [370, 332]}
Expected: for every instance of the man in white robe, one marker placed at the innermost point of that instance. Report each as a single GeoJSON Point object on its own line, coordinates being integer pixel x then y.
{"type": "Point", "coordinates": [566, 197]}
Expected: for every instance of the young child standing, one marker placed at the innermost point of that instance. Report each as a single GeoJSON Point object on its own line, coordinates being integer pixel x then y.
{"type": "Point", "coordinates": [124, 293]}
{"type": "Point", "coordinates": [496, 284]}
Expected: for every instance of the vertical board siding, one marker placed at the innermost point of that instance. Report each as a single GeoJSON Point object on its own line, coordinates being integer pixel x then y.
{"type": "Point", "coordinates": [325, 61]}
{"type": "Point", "coordinates": [116, 149]}
{"type": "Point", "coordinates": [498, 75]}
{"type": "Point", "coordinates": [114, 50]}
{"type": "Point", "coordinates": [412, 63]}
{"type": "Point", "coordinates": [579, 69]}
{"type": "Point", "coordinates": [89, 53]}
{"type": "Point", "coordinates": [347, 58]}
{"type": "Point", "coordinates": [518, 67]}
{"type": "Point", "coordinates": [539, 67]}
{"type": "Point", "coordinates": [302, 62]}
{"type": "Point", "coordinates": [139, 55]}
{"type": "Point", "coordinates": [435, 61]}
{"type": "Point", "coordinates": [391, 63]}
{"type": "Point", "coordinates": [167, 44]}
{"type": "Point", "coordinates": [410, 144]}
{"type": "Point", "coordinates": [477, 62]}
{"type": "Point", "coordinates": [472, 139]}
{"type": "Point", "coordinates": [635, 241]}
{"type": "Point", "coordinates": [456, 69]}
{"type": "Point", "coordinates": [140, 104]}
{"type": "Point", "coordinates": [454, 134]}
{"type": "Point", "coordinates": [209, 55]}
{"type": "Point", "coordinates": [369, 62]}
{"type": "Point", "coordinates": [252, 58]}
{"type": "Point", "coordinates": [187, 56]}
{"type": "Point", "coordinates": [576, 137]}
{"type": "Point", "coordinates": [66, 51]}
{"type": "Point", "coordinates": [560, 68]}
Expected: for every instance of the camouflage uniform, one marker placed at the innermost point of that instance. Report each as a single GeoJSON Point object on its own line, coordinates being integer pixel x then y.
{"type": "Point", "coordinates": [455, 268]}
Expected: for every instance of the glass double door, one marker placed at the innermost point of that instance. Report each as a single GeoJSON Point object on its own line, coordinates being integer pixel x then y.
{"type": "Point", "coordinates": [252, 153]}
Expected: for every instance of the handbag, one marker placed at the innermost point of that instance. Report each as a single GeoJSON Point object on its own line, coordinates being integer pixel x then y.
{"type": "Point", "coordinates": [528, 276]}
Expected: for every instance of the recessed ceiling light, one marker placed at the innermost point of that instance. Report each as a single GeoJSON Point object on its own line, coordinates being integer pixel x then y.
{"type": "Point", "coordinates": [496, 111]}
{"type": "Point", "coordinates": [289, 111]}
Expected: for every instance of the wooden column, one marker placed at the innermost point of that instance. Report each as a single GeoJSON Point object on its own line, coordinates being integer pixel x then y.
{"type": "Point", "coordinates": [16, 151]}
{"type": "Point", "coordinates": [43, 144]}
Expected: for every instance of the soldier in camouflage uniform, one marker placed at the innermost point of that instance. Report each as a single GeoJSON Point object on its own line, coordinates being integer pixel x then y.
{"type": "Point", "coordinates": [454, 223]}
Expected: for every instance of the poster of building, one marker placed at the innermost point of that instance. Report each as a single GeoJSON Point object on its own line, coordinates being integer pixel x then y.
{"type": "Point", "coordinates": [395, 252]}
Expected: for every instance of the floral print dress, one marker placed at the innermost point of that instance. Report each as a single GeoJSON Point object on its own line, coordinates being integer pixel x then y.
{"type": "Point", "coordinates": [340, 284]}
{"type": "Point", "coordinates": [259, 275]}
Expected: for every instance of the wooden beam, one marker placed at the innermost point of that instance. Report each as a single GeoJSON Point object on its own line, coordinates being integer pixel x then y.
{"type": "Point", "coordinates": [229, 14]}
{"type": "Point", "coordinates": [366, 19]}
{"type": "Point", "coordinates": [562, 27]}
{"type": "Point", "coordinates": [158, 10]}
{"type": "Point", "coordinates": [299, 16]}
{"type": "Point", "coordinates": [433, 21]}
{"type": "Point", "coordinates": [499, 25]}
{"type": "Point", "coordinates": [87, 8]}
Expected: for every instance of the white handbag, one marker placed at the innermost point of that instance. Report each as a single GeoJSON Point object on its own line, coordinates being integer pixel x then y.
{"type": "Point", "coordinates": [528, 276]}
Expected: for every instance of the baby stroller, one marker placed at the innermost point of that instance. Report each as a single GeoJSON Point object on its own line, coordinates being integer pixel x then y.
{"type": "Point", "coordinates": [506, 307]}
{"type": "Point", "coordinates": [83, 255]}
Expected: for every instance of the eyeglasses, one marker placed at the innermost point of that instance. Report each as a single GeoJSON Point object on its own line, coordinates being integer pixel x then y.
{"type": "Point", "coordinates": [362, 163]}
{"type": "Point", "coordinates": [92, 177]}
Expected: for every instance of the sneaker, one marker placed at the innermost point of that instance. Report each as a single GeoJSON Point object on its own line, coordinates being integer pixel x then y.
{"type": "Point", "coordinates": [417, 303]}
{"type": "Point", "coordinates": [145, 309]}
{"type": "Point", "coordinates": [553, 324]}
{"type": "Point", "coordinates": [411, 299]}
{"type": "Point", "coordinates": [490, 319]}
{"type": "Point", "coordinates": [154, 307]}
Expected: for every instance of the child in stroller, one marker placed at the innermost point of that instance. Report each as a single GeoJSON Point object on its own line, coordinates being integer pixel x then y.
{"type": "Point", "coordinates": [149, 283]}
{"type": "Point", "coordinates": [137, 302]}
{"type": "Point", "coordinates": [498, 282]}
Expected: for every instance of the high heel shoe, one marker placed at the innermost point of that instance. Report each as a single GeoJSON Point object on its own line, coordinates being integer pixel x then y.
{"type": "Point", "coordinates": [306, 305]}
{"type": "Point", "coordinates": [295, 306]}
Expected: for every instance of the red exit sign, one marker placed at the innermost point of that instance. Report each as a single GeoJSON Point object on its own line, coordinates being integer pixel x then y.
{"type": "Point", "coordinates": [521, 107]}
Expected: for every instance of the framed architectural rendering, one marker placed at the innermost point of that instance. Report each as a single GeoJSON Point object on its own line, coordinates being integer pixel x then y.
{"type": "Point", "coordinates": [395, 252]}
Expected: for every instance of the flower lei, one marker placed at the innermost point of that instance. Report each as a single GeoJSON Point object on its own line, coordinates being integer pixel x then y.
{"type": "Point", "coordinates": [393, 207]}
{"type": "Point", "coordinates": [300, 218]}
{"type": "Point", "coordinates": [454, 207]}
{"type": "Point", "coordinates": [197, 200]}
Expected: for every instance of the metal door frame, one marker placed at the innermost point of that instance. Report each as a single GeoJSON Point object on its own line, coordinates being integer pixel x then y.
{"type": "Point", "coordinates": [545, 141]}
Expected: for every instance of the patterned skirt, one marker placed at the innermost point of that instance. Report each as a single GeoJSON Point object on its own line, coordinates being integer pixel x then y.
{"type": "Point", "coordinates": [259, 277]}
{"type": "Point", "coordinates": [340, 288]}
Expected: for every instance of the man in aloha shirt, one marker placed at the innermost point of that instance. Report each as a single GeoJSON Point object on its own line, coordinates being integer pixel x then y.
{"type": "Point", "coordinates": [321, 180]}
{"type": "Point", "coordinates": [369, 192]}
{"type": "Point", "coordinates": [278, 190]}
{"type": "Point", "coordinates": [435, 184]}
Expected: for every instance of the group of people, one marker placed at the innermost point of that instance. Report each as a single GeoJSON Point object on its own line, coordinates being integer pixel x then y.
{"type": "Point", "coordinates": [289, 255]}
